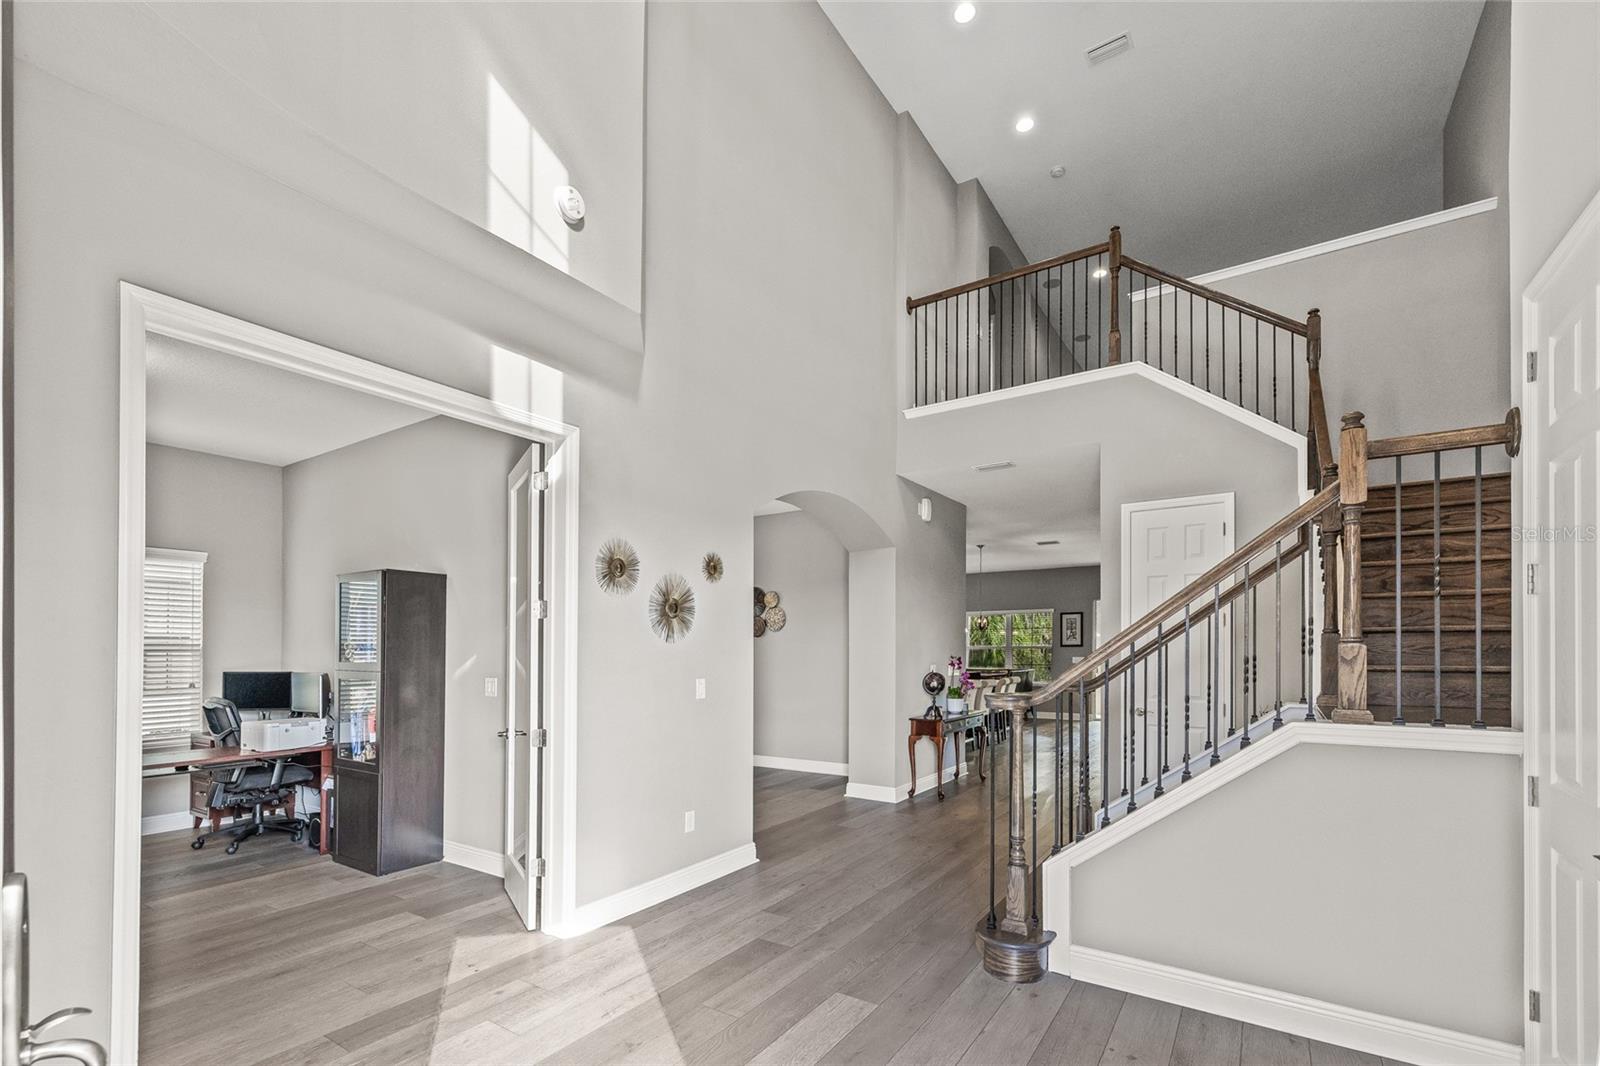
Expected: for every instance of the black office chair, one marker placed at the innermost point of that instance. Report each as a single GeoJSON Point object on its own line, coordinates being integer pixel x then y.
{"type": "Point", "coordinates": [268, 783]}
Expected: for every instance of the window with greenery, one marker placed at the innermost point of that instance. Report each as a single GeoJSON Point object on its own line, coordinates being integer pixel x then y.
{"type": "Point", "coordinates": [1013, 640]}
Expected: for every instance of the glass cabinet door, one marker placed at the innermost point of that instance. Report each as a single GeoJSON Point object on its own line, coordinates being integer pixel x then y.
{"type": "Point", "coordinates": [356, 704]}
{"type": "Point", "coordinates": [360, 610]}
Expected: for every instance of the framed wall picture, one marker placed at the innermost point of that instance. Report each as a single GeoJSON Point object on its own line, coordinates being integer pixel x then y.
{"type": "Point", "coordinates": [1072, 629]}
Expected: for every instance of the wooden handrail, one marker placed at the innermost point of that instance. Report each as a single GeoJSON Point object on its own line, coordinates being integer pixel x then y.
{"type": "Point", "coordinates": [1508, 433]}
{"type": "Point", "coordinates": [1244, 306]}
{"type": "Point", "coordinates": [1010, 275]}
{"type": "Point", "coordinates": [1296, 518]}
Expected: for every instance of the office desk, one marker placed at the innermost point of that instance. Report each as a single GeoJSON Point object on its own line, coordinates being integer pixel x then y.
{"type": "Point", "coordinates": [187, 760]}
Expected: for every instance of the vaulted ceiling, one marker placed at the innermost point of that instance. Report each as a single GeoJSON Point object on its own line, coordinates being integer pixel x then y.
{"type": "Point", "coordinates": [1226, 132]}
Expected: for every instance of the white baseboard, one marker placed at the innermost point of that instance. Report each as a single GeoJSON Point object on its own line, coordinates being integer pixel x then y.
{"type": "Point", "coordinates": [885, 794]}
{"type": "Point", "coordinates": [805, 766]}
{"type": "Point", "coordinates": [480, 859]}
{"type": "Point", "coordinates": [632, 900]}
{"type": "Point", "coordinates": [165, 823]}
{"type": "Point", "coordinates": [1315, 1019]}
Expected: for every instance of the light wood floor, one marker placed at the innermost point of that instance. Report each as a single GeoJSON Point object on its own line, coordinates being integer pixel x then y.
{"type": "Point", "coordinates": [850, 941]}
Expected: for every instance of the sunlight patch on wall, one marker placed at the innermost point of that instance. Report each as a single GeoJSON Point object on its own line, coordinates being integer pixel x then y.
{"type": "Point", "coordinates": [524, 173]}
{"type": "Point", "coordinates": [521, 382]}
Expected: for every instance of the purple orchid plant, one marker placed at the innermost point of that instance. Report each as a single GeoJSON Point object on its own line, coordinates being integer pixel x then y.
{"type": "Point", "coordinates": [960, 679]}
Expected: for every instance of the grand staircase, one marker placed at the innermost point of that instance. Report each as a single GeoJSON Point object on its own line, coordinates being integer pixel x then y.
{"type": "Point", "coordinates": [1383, 599]}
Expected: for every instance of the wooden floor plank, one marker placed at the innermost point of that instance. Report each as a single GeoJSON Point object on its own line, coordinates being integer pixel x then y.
{"type": "Point", "coordinates": [1081, 1028]}
{"type": "Point", "coordinates": [1144, 1033]}
{"type": "Point", "coordinates": [1016, 1029]}
{"type": "Point", "coordinates": [1270, 1047]}
{"type": "Point", "coordinates": [1206, 1040]}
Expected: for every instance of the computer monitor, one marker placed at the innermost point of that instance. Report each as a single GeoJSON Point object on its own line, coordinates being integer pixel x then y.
{"type": "Point", "coordinates": [258, 690]}
{"type": "Point", "coordinates": [308, 693]}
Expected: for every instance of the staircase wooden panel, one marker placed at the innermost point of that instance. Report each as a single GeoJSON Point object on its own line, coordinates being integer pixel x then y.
{"type": "Point", "coordinates": [1461, 629]}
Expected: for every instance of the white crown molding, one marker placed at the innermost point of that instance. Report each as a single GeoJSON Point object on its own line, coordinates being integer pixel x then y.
{"type": "Point", "coordinates": [1376, 1034]}
{"type": "Point", "coordinates": [804, 766]}
{"type": "Point", "coordinates": [474, 858]}
{"type": "Point", "coordinates": [591, 916]}
{"type": "Point", "coordinates": [1338, 244]}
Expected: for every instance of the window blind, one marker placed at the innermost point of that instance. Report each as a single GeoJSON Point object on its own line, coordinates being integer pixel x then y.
{"type": "Point", "coordinates": [174, 595]}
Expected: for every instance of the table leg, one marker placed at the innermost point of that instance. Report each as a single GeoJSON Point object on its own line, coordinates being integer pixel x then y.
{"type": "Point", "coordinates": [959, 749]}
{"type": "Point", "coordinates": [938, 760]}
{"type": "Point", "coordinates": [911, 753]}
{"type": "Point", "coordinates": [983, 743]}
{"type": "Point", "coordinates": [325, 795]}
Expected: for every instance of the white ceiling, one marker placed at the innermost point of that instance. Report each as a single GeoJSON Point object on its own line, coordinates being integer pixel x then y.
{"type": "Point", "coordinates": [1043, 497]}
{"type": "Point", "coordinates": [1228, 131]}
{"type": "Point", "coordinates": [207, 401]}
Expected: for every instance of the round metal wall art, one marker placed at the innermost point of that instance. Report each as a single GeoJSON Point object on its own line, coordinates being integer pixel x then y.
{"type": "Point", "coordinates": [760, 625]}
{"type": "Point", "coordinates": [776, 618]}
{"type": "Point", "coordinates": [761, 596]}
{"type": "Point", "coordinates": [711, 567]}
{"type": "Point", "coordinates": [672, 608]}
{"type": "Point", "coordinates": [616, 568]}
{"type": "Point", "coordinates": [771, 599]}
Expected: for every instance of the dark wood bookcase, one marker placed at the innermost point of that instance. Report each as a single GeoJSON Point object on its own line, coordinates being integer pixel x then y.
{"type": "Point", "coordinates": [389, 688]}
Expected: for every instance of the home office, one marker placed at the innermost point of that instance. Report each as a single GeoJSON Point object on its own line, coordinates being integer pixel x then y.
{"type": "Point", "coordinates": [325, 629]}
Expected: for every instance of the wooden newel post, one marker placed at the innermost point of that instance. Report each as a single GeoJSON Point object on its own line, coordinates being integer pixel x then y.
{"type": "Point", "coordinates": [1018, 950]}
{"type": "Point", "coordinates": [1352, 706]}
{"type": "Point", "coordinates": [1114, 266]}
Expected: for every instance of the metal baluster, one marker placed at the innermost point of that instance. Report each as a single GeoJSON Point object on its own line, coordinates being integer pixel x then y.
{"type": "Point", "coordinates": [1130, 734]}
{"type": "Point", "coordinates": [1233, 666]}
{"type": "Point", "coordinates": [1399, 618]}
{"type": "Point", "coordinates": [1164, 682]}
{"type": "Point", "coordinates": [1187, 667]}
{"type": "Point", "coordinates": [1438, 602]}
{"type": "Point", "coordinates": [1308, 605]}
{"type": "Point", "coordinates": [1105, 746]}
{"type": "Point", "coordinates": [1277, 631]}
{"type": "Point", "coordinates": [1477, 588]}
{"type": "Point", "coordinates": [1034, 831]}
{"type": "Point", "coordinates": [1275, 375]}
{"type": "Point", "coordinates": [1214, 677]}
{"type": "Point", "coordinates": [1255, 655]}
{"type": "Point", "coordinates": [1144, 665]}
{"type": "Point", "coordinates": [1257, 397]}
{"type": "Point", "coordinates": [1161, 708]}
{"type": "Point", "coordinates": [1082, 816]}
{"type": "Point", "coordinates": [1063, 705]}
{"type": "Point", "coordinates": [1247, 707]}
{"type": "Point", "coordinates": [994, 776]}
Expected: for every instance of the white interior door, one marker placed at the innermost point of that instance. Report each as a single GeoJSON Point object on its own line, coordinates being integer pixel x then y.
{"type": "Point", "coordinates": [1165, 545]}
{"type": "Point", "coordinates": [523, 733]}
{"type": "Point", "coordinates": [1558, 661]}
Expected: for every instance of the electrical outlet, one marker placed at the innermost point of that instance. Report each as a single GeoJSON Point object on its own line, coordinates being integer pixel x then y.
{"type": "Point", "coordinates": [699, 688]}
{"type": "Point", "coordinates": [491, 686]}
{"type": "Point", "coordinates": [688, 821]}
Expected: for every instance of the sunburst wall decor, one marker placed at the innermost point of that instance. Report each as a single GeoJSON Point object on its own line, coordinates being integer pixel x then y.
{"type": "Point", "coordinates": [616, 568]}
{"type": "Point", "coordinates": [711, 567]}
{"type": "Point", "coordinates": [672, 608]}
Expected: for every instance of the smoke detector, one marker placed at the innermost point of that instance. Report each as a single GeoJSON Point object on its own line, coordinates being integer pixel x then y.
{"type": "Point", "coordinates": [1106, 49]}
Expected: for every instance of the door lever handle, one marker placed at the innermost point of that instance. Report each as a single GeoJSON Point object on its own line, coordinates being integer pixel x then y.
{"type": "Point", "coordinates": [55, 1018]}
{"type": "Point", "coordinates": [85, 1051]}
{"type": "Point", "coordinates": [505, 733]}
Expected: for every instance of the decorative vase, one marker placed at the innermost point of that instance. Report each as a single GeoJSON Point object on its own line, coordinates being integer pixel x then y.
{"type": "Point", "coordinates": [954, 706]}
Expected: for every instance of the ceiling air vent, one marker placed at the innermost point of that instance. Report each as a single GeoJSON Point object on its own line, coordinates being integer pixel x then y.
{"type": "Point", "coordinates": [1047, 543]}
{"type": "Point", "coordinates": [984, 468]}
{"type": "Point", "coordinates": [1106, 49]}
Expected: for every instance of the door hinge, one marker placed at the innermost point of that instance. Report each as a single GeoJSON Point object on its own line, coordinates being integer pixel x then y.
{"type": "Point", "coordinates": [540, 481]}
{"type": "Point", "coordinates": [1533, 791]}
{"type": "Point", "coordinates": [539, 867]}
{"type": "Point", "coordinates": [1533, 366]}
{"type": "Point", "coordinates": [541, 609]}
{"type": "Point", "coordinates": [1533, 579]}
{"type": "Point", "coordinates": [1533, 1005]}
{"type": "Point", "coordinates": [541, 738]}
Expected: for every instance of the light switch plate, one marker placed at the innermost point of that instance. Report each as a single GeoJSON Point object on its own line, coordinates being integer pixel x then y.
{"type": "Point", "coordinates": [688, 821]}
{"type": "Point", "coordinates": [699, 688]}
{"type": "Point", "coordinates": [491, 686]}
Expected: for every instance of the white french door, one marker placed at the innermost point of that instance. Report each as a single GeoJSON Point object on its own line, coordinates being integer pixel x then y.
{"type": "Point", "coordinates": [1560, 659]}
{"type": "Point", "coordinates": [524, 721]}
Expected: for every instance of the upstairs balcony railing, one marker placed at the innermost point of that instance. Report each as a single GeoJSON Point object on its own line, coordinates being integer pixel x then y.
{"type": "Point", "coordinates": [1099, 307]}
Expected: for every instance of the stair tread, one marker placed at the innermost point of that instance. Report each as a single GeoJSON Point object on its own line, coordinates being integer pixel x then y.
{"type": "Point", "coordinates": [1446, 627]}
{"type": "Point", "coordinates": [1388, 564]}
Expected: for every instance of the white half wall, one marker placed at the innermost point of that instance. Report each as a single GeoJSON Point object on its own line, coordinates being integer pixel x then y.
{"type": "Point", "coordinates": [1365, 869]}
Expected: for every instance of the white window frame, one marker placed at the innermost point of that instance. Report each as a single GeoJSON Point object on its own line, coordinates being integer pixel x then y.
{"type": "Point", "coordinates": [1009, 646]}
{"type": "Point", "coordinates": [176, 735]}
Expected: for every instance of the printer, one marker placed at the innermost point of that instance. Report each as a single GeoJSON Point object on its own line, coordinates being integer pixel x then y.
{"type": "Point", "coordinates": [280, 734]}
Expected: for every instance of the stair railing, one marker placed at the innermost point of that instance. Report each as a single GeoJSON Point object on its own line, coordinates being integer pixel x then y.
{"type": "Point", "coordinates": [1098, 307]}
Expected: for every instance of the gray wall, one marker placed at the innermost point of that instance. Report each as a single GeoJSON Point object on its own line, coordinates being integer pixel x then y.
{"type": "Point", "coordinates": [428, 497]}
{"type": "Point", "coordinates": [1414, 332]}
{"type": "Point", "coordinates": [1477, 131]}
{"type": "Point", "coordinates": [1398, 871]}
{"type": "Point", "coordinates": [802, 686]}
{"type": "Point", "coordinates": [1066, 588]}
{"type": "Point", "coordinates": [233, 511]}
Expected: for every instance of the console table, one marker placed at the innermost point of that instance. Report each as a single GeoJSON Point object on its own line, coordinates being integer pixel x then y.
{"type": "Point", "coordinates": [941, 729]}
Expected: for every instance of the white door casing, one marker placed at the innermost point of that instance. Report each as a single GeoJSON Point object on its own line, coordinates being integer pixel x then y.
{"type": "Point", "coordinates": [523, 721]}
{"type": "Point", "coordinates": [1559, 657]}
{"type": "Point", "coordinates": [1165, 545]}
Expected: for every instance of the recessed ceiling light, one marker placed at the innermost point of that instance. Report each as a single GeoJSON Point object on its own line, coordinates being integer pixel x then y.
{"type": "Point", "coordinates": [984, 468]}
{"type": "Point", "coordinates": [965, 13]}
{"type": "Point", "coordinates": [1025, 123]}
{"type": "Point", "coordinates": [1108, 48]}
{"type": "Point", "coordinates": [1058, 171]}
{"type": "Point", "coordinates": [1100, 273]}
